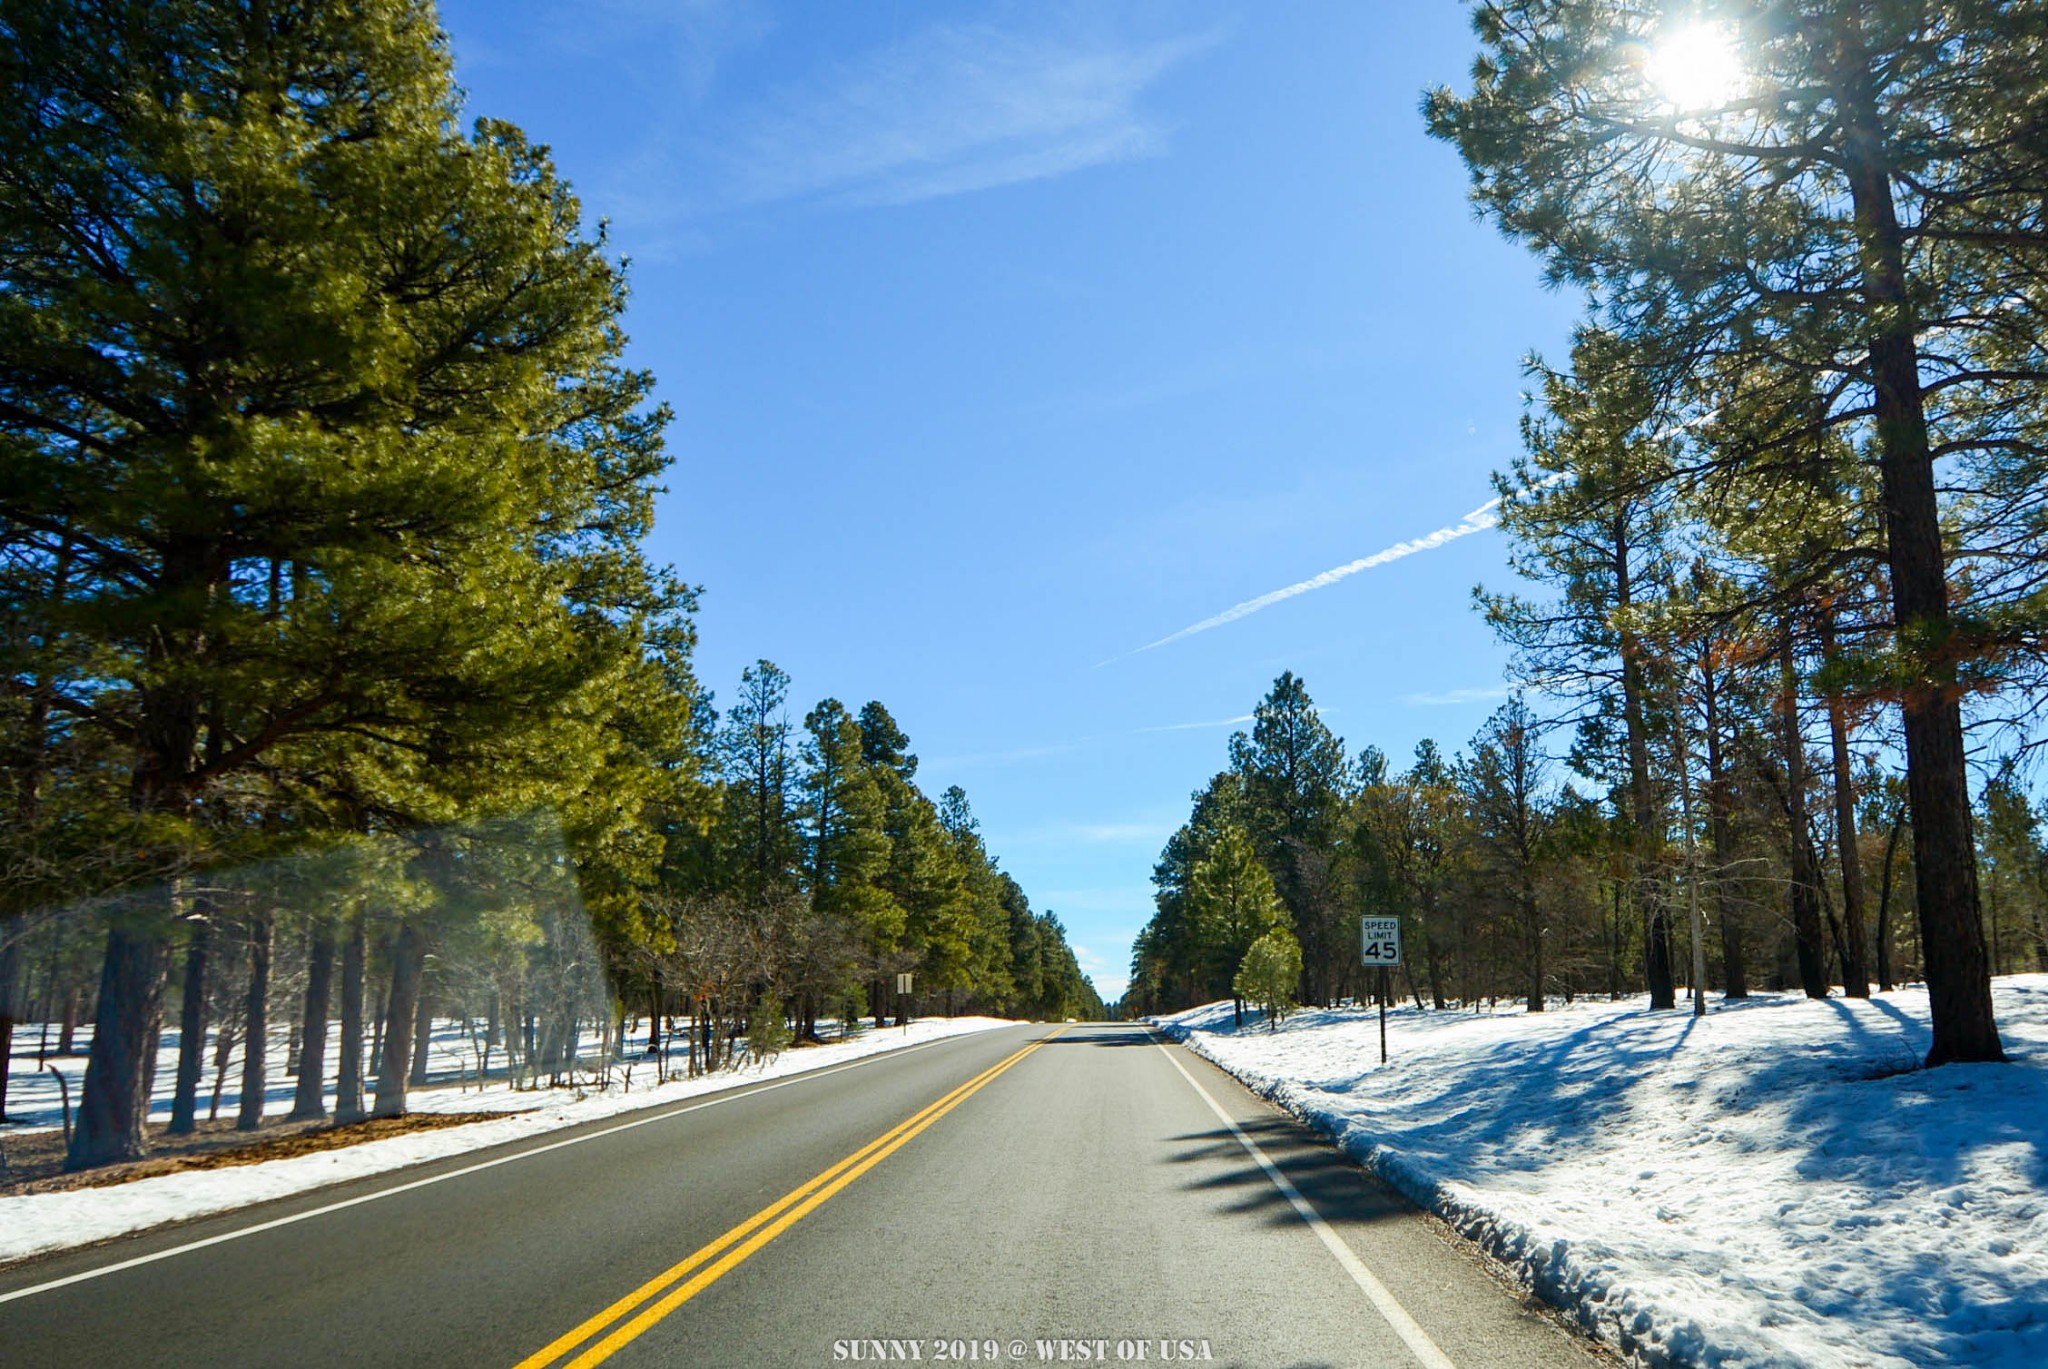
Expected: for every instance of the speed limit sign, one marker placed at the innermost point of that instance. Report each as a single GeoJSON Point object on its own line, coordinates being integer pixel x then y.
{"type": "Point", "coordinates": [1382, 938]}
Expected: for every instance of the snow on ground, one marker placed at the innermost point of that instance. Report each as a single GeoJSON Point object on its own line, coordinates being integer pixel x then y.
{"type": "Point", "coordinates": [1776, 1184]}
{"type": "Point", "coordinates": [34, 1223]}
{"type": "Point", "coordinates": [35, 1099]}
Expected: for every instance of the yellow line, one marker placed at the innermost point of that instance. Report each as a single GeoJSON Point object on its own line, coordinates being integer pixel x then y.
{"type": "Point", "coordinates": [764, 1226]}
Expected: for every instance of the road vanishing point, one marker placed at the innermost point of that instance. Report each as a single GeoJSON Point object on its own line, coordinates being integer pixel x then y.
{"type": "Point", "coordinates": [1023, 1196]}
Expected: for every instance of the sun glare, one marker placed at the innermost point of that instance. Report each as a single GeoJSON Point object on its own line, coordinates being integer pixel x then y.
{"type": "Point", "coordinates": [1696, 67]}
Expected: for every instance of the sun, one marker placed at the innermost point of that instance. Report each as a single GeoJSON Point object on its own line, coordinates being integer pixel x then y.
{"type": "Point", "coordinates": [1696, 67]}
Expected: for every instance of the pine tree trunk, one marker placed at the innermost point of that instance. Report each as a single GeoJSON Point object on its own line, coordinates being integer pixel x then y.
{"type": "Point", "coordinates": [11, 1004]}
{"type": "Point", "coordinates": [1807, 938]}
{"type": "Point", "coordinates": [1656, 918]}
{"type": "Point", "coordinates": [145, 1083]}
{"type": "Point", "coordinates": [408, 958]}
{"type": "Point", "coordinates": [1884, 905]}
{"type": "Point", "coordinates": [110, 1126]}
{"type": "Point", "coordinates": [348, 1084]}
{"type": "Point", "coordinates": [1952, 949]}
{"type": "Point", "coordinates": [67, 1026]}
{"type": "Point", "coordinates": [224, 1042]}
{"type": "Point", "coordinates": [1855, 932]}
{"type": "Point", "coordinates": [1533, 930]}
{"type": "Point", "coordinates": [256, 1027]}
{"type": "Point", "coordinates": [1614, 946]}
{"type": "Point", "coordinates": [378, 1019]}
{"type": "Point", "coordinates": [422, 1035]}
{"type": "Point", "coordinates": [113, 1104]}
{"type": "Point", "coordinates": [192, 1027]}
{"type": "Point", "coordinates": [309, 1102]}
{"type": "Point", "coordinates": [1432, 955]}
{"type": "Point", "coordinates": [1734, 975]}
{"type": "Point", "coordinates": [1997, 953]}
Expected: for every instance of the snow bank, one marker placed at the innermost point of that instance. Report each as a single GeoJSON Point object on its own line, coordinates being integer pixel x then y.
{"type": "Point", "coordinates": [34, 1223]}
{"type": "Point", "coordinates": [1776, 1184]}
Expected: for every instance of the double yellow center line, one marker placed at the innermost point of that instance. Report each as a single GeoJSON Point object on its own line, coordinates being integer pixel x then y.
{"type": "Point", "coordinates": [681, 1282]}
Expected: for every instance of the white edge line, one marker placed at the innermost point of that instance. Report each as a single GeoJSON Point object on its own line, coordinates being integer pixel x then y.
{"type": "Point", "coordinates": [1411, 1333]}
{"type": "Point", "coordinates": [322, 1211]}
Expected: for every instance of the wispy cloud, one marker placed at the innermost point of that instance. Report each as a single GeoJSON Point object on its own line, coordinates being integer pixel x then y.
{"type": "Point", "coordinates": [954, 109]}
{"type": "Point", "coordinates": [1119, 833]}
{"type": "Point", "coordinates": [1198, 375]}
{"type": "Point", "coordinates": [1021, 754]}
{"type": "Point", "coordinates": [1110, 979]}
{"type": "Point", "coordinates": [1105, 956]}
{"type": "Point", "coordinates": [1149, 831]}
{"type": "Point", "coordinates": [1132, 900]}
{"type": "Point", "coordinates": [653, 50]}
{"type": "Point", "coordinates": [1013, 756]}
{"type": "Point", "coordinates": [1456, 696]}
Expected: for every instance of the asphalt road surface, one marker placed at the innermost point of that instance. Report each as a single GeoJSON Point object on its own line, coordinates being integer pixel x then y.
{"type": "Point", "coordinates": [1024, 1196]}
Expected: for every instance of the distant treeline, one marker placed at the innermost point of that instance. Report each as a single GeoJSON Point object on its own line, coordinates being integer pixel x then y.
{"type": "Point", "coordinates": [1516, 878]}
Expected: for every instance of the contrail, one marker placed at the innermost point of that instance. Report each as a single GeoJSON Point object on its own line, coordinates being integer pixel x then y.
{"type": "Point", "coordinates": [1194, 727]}
{"type": "Point", "coordinates": [1479, 520]}
{"type": "Point", "coordinates": [1487, 515]}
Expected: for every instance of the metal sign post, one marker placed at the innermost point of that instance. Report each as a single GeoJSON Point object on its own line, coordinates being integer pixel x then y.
{"type": "Point", "coordinates": [1381, 946]}
{"type": "Point", "coordinates": [903, 982]}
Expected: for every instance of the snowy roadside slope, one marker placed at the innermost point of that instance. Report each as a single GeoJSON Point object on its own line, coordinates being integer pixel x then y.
{"type": "Point", "coordinates": [36, 1223]}
{"type": "Point", "coordinates": [1776, 1184]}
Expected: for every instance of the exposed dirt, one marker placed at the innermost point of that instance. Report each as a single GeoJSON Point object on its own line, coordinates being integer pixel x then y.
{"type": "Point", "coordinates": [35, 1160]}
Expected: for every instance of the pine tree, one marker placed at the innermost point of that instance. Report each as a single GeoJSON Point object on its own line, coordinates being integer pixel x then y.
{"type": "Point", "coordinates": [1587, 514]}
{"type": "Point", "coordinates": [760, 782]}
{"type": "Point", "coordinates": [1294, 775]}
{"type": "Point", "coordinates": [1169, 959]}
{"type": "Point", "coordinates": [849, 848]}
{"type": "Point", "coordinates": [1715, 689]}
{"type": "Point", "coordinates": [1233, 902]}
{"type": "Point", "coordinates": [1271, 969]}
{"type": "Point", "coordinates": [1503, 783]}
{"type": "Point", "coordinates": [883, 743]}
{"type": "Point", "coordinates": [1802, 528]}
{"type": "Point", "coordinates": [1410, 839]}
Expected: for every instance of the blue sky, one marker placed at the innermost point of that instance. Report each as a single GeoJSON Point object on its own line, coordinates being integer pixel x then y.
{"type": "Point", "coordinates": [1005, 340]}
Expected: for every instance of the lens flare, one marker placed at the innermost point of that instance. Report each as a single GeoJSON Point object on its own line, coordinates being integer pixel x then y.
{"type": "Point", "coordinates": [1696, 67]}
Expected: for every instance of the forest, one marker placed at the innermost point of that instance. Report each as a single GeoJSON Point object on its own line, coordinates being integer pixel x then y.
{"type": "Point", "coordinates": [1776, 649]}
{"type": "Point", "coordinates": [339, 690]}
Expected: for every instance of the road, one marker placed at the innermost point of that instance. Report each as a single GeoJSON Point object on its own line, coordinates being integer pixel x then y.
{"type": "Point", "coordinates": [1032, 1195]}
